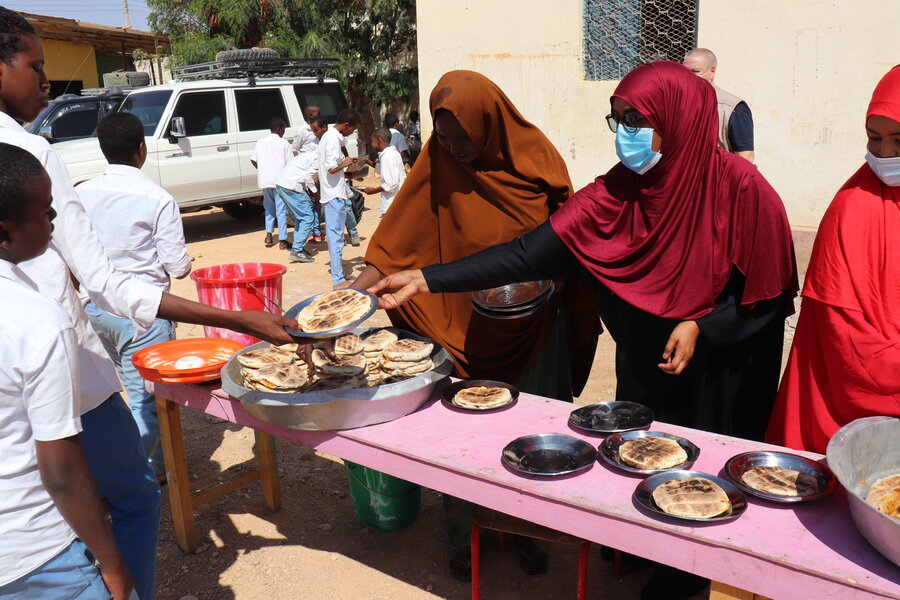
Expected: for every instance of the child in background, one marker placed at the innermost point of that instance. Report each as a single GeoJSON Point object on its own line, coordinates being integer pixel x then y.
{"type": "Point", "coordinates": [269, 157]}
{"type": "Point", "coordinates": [54, 524]}
{"type": "Point", "coordinates": [390, 168]}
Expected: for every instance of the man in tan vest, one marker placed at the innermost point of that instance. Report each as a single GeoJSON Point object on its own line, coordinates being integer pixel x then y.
{"type": "Point", "coordinates": [735, 118]}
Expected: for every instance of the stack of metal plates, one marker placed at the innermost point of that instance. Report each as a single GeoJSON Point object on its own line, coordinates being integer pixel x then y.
{"type": "Point", "coordinates": [512, 301]}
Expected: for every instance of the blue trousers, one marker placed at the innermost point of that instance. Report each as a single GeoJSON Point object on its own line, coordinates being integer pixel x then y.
{"type": "Point", "coordinates": [117, 335]}
{"type": "Point", "coordinates": [275, 211]}
{"type": "Point", "coordinates": [112, 448]}
{"type": "Point", "coordinates": [71, 574]}
{"type": "Point", "coordinates": [351, 219]}
{"type": "Point", "coordinates": [300, 206]}
{"type": "Point", "coordinates": [317, 219]}
{"type": "Point", "coordinates": [335, 221]}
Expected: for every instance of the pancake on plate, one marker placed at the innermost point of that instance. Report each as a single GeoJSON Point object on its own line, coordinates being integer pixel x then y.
{"type": "Point", "coordinates": [885, 495]}
{"type": "Point", "coordinates": [482, 397]}
{"type": "Point", "coordinates": [781, 481]}
{"type": "Point", "coordinates": [333, 310]}
{"type": "Point", "coordinates": [652, 453]}
{"type": "Point", "coordinates": [694, 497]}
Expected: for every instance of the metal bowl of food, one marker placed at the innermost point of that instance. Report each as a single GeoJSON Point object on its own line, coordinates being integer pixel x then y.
{"type": "Point", "coordinates": [302, 337]}
{"type": "Point", "coordinates": [644, 496]}
{"type": "Point", "coordinates": [341, 408]}
{"type": "Point", "coordinates": [780, 476]}
{"type": "Point", "coordinates": [861, 454]}
{"type": "Point", "coordinates": [549, 454]}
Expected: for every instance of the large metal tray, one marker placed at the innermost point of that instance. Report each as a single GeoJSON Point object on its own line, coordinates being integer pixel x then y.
{"type": "Point", "coordinates": [339, 409]}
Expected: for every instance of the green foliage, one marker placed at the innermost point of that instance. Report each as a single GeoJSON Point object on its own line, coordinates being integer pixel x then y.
{"type": "Point", "coordinates": [374, 40]}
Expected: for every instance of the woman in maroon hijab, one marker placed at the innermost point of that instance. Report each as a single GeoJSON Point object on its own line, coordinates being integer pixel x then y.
{"type": "Point", "coordinates": [690, 251]}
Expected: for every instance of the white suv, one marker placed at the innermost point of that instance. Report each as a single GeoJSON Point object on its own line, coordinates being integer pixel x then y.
{"type": "Point", "coordinates": [200, 135]}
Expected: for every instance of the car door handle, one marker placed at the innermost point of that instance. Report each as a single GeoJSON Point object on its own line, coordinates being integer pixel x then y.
{"type": "Point", "coordinates": [223, 148]}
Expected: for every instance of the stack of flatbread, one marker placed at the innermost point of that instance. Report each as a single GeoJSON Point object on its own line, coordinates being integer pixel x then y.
{"type": "Point", "coordinates": [353, 362]}
{"type": "Point", "coordinates": [482, 397]}
{"type": "Point", "coordinates": [692, 497]}
{"type": "Point", "coordinates": [333, 310]}
{"type": "Point", "coordinates": [652, 453]}
{"type": "Point", "coordinates": [885, 495]}
{"type": "Point", "coordinates": [780, 481]}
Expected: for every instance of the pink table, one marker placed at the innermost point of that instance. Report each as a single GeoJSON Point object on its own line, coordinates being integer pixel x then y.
{"type": "Point", "coordinates": [810, 551]}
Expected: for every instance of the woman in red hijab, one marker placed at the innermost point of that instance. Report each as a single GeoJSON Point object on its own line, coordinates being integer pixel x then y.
{"type": "Point", "coordinates": [688, 247]}
{"type": "Point", "coordinates": [845, 361]}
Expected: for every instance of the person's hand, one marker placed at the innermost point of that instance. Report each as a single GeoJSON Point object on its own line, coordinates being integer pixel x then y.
{"type": "Point", "coordinates": [118, 581]}
{"type": "Point", "coordinates": [345, 285]}
{"type": "Point", "coordinates": [395, 290]}
{"type": "Point", "coordinates": [348, 160]}
{"type": "Point", "coordinates": [680, 348]}
{"type": "Point", "coordinates": [370, 190]}
{"type": "Point", "coordinates": [266, 326]}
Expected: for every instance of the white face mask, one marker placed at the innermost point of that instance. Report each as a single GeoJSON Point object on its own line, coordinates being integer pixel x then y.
{"type": "Point", "coordinates": [887, 169]}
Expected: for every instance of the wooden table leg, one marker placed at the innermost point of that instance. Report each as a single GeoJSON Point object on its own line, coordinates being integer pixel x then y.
{"type": "Point", "coordinates": [268, 469]}
{"type": "Point", "coordinates": [172, 441]}
{"type": "Point", "coordinates": [722, 591]}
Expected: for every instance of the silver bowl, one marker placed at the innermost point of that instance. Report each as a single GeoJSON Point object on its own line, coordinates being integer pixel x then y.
{"type": "Point", "coordinates": [450, 391]}
{"type": "Point", "coordinates": [741, 463]}
{"type": "Point", "coordinates": [611, 417]}
{"type": "Point", "coordinates": [338, 409]}
{"type": "Point", "coordinates": [859, 454]}
{"type": "Point", "coordinates": [609, 451]}
{"type": "Point", "coordinates": [549, 454]}
{"type": "Point", "coordinates": [643, 494]}
{"type": "Point", "coordinates": [301, 337]}
{"type": "Point", "coordinates": [513, 295]}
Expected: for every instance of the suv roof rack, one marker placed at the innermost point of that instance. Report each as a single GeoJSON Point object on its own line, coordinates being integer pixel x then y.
{"type": "Point", "coordinates": [253, 67]}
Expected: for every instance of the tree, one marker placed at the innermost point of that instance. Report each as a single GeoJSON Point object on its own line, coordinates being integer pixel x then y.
{"type": "Point", "coordinates": [374, 40]}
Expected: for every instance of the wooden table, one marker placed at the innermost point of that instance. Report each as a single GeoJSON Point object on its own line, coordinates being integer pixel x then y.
{"type": "Point", "coordinates": [791, 552]}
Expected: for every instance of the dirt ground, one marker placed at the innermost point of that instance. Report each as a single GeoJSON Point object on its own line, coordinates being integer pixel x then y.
{"type": "Point", "coordinates": [315, 548]}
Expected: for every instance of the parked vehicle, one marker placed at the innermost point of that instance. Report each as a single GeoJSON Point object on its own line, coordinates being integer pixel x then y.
{"type": "Point", "coordinates": [73, 117]}
{"type": "Point", "coordinates": [200, 131]}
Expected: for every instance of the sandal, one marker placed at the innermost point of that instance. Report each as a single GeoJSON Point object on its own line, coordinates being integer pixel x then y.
{"type": "Point", "coordinates": [532, 557]}
{"type": "Point", "coordinates": [461, 565]}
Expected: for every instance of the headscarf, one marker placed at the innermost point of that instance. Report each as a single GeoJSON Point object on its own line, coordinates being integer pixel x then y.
{"type": "Point", "coordinates": [447, 210]}
{"type": "Point", "coordinates": [666, 241]}
{"type": "Point", "coordinates": [841, 270]}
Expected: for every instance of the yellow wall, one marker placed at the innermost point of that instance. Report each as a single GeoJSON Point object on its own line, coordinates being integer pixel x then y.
{"type": "Point", "coordinates": [65, 61]}
{"type": "Point", "coordinates": [806, 68]}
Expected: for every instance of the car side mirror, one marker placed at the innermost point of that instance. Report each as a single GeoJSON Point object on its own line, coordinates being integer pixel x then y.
{"type": "Point", "coordinates": [45, 132]}
{"type": "Point", "coordinates": [177, 129]}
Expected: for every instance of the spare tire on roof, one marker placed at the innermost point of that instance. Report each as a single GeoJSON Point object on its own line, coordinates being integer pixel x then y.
{"type": "Point", "coordinates": [246, 54]}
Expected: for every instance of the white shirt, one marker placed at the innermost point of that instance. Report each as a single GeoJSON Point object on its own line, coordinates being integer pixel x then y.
{"type": "Point", "coordinates": [75, 246]}
{"type": "Point", "coordinates": [392, 172]}
{"type": "Point", "coordinates": [270, 155]}
{"type": "Point", "coordinates": [138, 224]}
{"type": "Point", "coordinates": [300, 173]}
{"type": "Point", "coordinates": [398, 140]}
{"type": "Point", "coordinates": [331, 185]}
{"type": "Point", "coordinates": [305, 141]}
{"type": "Point", "coordinates": [38, 401]}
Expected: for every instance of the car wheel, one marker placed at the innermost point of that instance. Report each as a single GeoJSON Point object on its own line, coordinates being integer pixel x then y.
{"type": "Point", "coordinates": [243, 210]}
{"type": "Point", "coordinates": [246, 54]}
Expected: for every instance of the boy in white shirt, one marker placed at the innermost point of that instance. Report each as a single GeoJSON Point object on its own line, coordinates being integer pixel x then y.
{"type": "Point", "coordinates": [390, 168]}
{"type": "Point", "coordinates": [269, 157]}
{"type": "Point", "coordinates": [53, 524]}
{"type": "Point", "coordinates": [306, 140]}
{"type": "Point", "coordinates": [333, 189]}
{"type": "Point", "coordinates": [398, 140]}
{"type": "Point", "coordinates": [294, 185]}
{"type": "Point", "coordinates": [139, 226]}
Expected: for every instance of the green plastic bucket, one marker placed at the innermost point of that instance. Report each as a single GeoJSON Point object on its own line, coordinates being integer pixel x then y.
{"type": "Point", "coordinates": [382, 501]}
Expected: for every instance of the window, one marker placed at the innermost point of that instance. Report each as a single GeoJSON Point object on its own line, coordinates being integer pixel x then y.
{"type": "Point", "coordinates": [257, 107]}
{"type": "Point", "coordinates": [203, 113]}
{"type": "Point", "coordinates": [327, 96]}
{"type": "Point", "coordinates": [75, 120]}
{"type": "Point", "coordinates": [148, 107]}
{"type": "Point", "coordinates": [620, 35]}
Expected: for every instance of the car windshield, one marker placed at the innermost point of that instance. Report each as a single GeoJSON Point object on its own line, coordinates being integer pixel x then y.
{"type": "Point", "coordinates": [148, 107]}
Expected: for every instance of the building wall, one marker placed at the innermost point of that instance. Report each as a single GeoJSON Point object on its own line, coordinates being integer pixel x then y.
{"type": "Point", "coordinates": [66, 61]}
{"type": "Point", "coordinates": [806, 68]}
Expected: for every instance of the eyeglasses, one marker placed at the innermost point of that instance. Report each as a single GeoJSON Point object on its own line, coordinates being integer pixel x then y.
{"type": "Point", "coordinates": [631, 121]}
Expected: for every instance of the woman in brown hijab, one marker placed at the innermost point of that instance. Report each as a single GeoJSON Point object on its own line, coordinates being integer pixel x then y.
{"type": "Point", "coordinates": [485, 177]}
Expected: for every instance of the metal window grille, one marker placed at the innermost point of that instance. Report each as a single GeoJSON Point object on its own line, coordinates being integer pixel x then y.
{"type": "Point", "coordinates": [619, 35]}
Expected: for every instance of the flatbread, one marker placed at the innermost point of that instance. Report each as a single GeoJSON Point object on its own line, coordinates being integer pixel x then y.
{"type": "Point", "coordinates": [377, 340]}
{"type": "Point", "coordinates": [333, 310]}
{"type": "Point", "coordinates": [353, 364]}
{"type": "Point", "coordinates": [695, 497]}
{"type": "Point", "coordinates": [407, 367]}
{"type": "Point", "coordinates": [277, 377]}
{"type": "Point", "coordinates": [651, 453]}
{"type": "Point", "coordinates": [781, 481]}
{"type": "Point", "coordinates": [347, 344]}
{"type": "Point", "coordinates": [885, 495]}
{"type": "Point", "coordinates": [408, 350]}
{"type": "Point", "coordinates": [264, 357]}
{"type": "Point", "coordinates": [482, 397]}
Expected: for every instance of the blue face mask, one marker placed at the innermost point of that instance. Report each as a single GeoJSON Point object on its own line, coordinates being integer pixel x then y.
{"type": "Point", "coordinates": [634, 149]}
{"type": "Point", "coordinates": [887, 169]}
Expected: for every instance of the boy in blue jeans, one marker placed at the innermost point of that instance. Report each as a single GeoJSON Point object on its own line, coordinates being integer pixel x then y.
{"type": "Point", "coordinates": [57, 541]}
